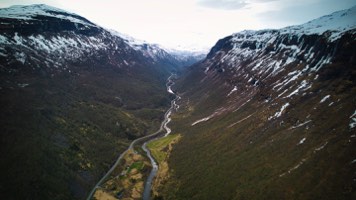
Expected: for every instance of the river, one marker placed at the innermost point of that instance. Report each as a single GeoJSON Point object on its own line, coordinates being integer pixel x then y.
{"type": "Point", "coordinates": [167, 119]}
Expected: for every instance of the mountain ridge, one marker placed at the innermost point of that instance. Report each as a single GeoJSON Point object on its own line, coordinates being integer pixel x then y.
{"type": "Point", "coordinates": [29, 11]}
{"type": "Point", "coordinates": [30, 24]}
{"type": "Point", "coordinates": [271, 113]}
{"type": "Point", "coordinates": [338, 22]}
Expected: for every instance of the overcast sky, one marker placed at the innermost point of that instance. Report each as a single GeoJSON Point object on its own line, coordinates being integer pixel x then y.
{"type": "Point", "coordinates": [192, 23]}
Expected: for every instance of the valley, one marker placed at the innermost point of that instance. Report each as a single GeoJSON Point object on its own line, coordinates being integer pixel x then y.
{"type": "Point", "coordinates": [92, 113]}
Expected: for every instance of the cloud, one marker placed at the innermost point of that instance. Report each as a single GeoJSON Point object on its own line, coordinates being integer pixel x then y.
{"type": "Point", "coordinates": [223, 4]}
{"type": "Point", "coordinates": [263, 1]}
{"type": "Point", "coordinates": [293, 12]}
{"type": "Point", "coordinates": [229, 4]}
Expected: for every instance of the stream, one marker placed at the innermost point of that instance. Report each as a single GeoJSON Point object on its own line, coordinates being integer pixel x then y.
{"type": "Point", "coordinates": [148, 184]}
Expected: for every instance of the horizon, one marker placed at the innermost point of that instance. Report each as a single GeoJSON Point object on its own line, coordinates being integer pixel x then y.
{"type": "Point", "coordinates": [195, 25]}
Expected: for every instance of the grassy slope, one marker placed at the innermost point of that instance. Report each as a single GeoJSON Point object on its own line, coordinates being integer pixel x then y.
{"type": "Point", "coordinates": [60, 134]}
{"type": "Point", "coordinates": [161, 150]}
{"type": "Point", "coordinates": [261, 159]}
{"type": "Point", "coordinates": [158, 147]}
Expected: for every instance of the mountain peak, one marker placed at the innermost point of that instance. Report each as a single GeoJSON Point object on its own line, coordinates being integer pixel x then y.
{"type": "Point", "coordinates": [338, 23]}
{"type": "Point", "coordinates": [36, 6]}
{"type": "Point", "coordinates": [31, 12]}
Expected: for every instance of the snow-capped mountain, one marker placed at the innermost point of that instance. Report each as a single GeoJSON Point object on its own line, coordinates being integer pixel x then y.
{"type": "Point", "coordinates": [158, 52]}
{"type": "Point", "coordinates": [273, 111]}
{"type": "Point", "coordinates": [40, 35]}
{"type": "Point", "coordinates": [33, 12]}
{"type": "Point", "coordinates": [292, 52]}
{"type": "Point", "coordinates": [187, 57]}
{"type": "Point", "coordinates": [335, 25]}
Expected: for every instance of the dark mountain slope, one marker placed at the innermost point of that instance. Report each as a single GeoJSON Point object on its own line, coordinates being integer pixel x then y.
{"type": "Point", "coordinates": [72, 97]}
{"type": "Point", "coordinates": [269, 115]}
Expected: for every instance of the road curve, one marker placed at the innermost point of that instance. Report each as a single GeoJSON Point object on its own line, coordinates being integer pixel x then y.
{"type": "Point", "coordinates": [161, 128]}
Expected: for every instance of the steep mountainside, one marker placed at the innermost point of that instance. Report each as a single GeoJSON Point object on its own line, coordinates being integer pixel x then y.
{"type": "Point", "coordinates": [72, 97]}
{"type": "Point", "coordinates": [269, 114]}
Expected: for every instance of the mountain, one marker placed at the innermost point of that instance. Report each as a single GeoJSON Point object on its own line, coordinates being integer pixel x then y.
{"type": "Point", "coordinates": [161, 54]}
{"type": "Point", "coordinates": [73, 96]}
{"type": "Point", "coordinates": [29, 29]}
{"type": "Point", "coordinates": [269, 114]}
{"type": "Point", "coordinates": [187, 57]}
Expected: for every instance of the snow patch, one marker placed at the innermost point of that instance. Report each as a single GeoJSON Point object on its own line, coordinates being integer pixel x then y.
{"type": "Point", "coordinates": [294, 168]}
{"type": "Point", "coordinates": [324, 99]}
{"type": "Point", "coordinates": [232, 91]}
{"type": "Point", "coordinates": [217, 112]}
{"type": "Point", "coordinates": [3, 40]}
{"type": "Point", "coordinates": [126, 63]}
{"type": "Point", "coordinates": [323, 61]}
{"type": "Point", "coordinates": [201, 120]}
{"type": "Point", "coordinates": [301, 141]}
{"type": "Point", "coordinates": [286, 90]}
{"type": "Point", "coordinates": [352, 124]}
{"type": "Point", "coordinates": [279, 113]}
{"type": "Point", "coordinates": [300, 125]}
{"type": "Point", "coordinates": [21, 57]}
{"type": "Point", "coordinates": [18, 39]}
{"type": "Point", "coordinates": [22, 85]}
{"type": "Point", "coordinates": [242, 105]}
{"type": "Point", "coordinates": [240, 120]}
{"type": "Point", "coordinates": [303, 87]}
{"type": "Point", "coordinates": [321, 147]}
{"type": "Point", "coordinates": [295, 75]}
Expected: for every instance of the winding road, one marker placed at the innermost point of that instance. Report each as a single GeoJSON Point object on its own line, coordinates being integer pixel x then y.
{"type": "Point", "coordinates": [154, 170]}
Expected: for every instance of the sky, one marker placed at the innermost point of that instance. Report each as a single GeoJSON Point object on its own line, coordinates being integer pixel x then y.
{"type": "Point", "coordinates": [192, 24]}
